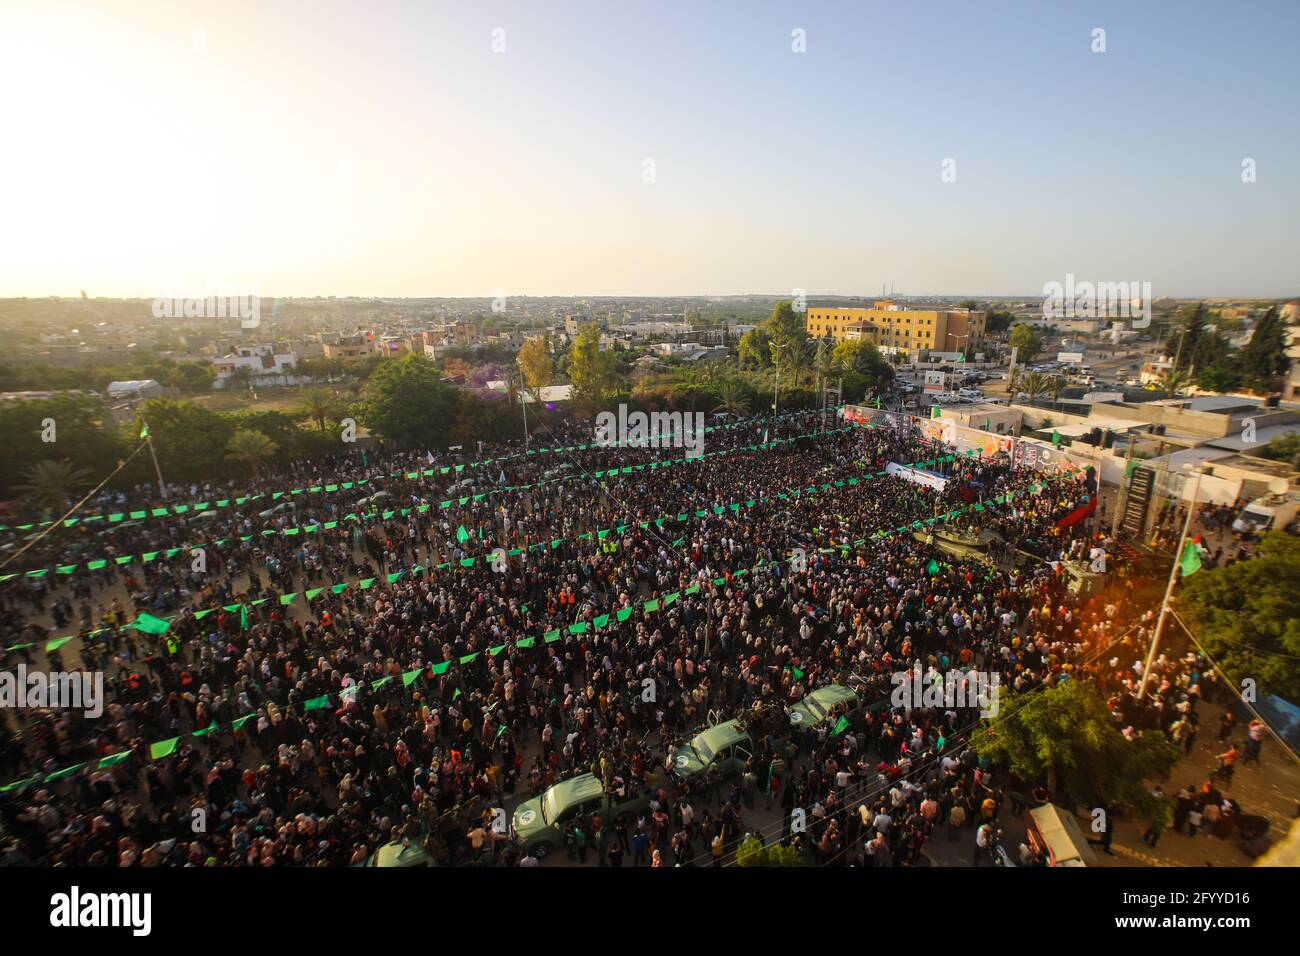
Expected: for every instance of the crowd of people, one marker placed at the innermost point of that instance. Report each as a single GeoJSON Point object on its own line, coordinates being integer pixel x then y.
{"type": "Point", "coordinates": [313, 733]}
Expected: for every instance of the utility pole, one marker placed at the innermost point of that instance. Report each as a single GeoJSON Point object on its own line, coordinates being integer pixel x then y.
{"type": "Point", "coordinates": [162, 487]}
{"type": "Point", "coordinates": [523, 405]}
{"type": "Point", "coordinates": [1169, 588]}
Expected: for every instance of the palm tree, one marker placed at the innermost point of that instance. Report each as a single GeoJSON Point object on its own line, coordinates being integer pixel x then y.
{"type": "Point", "coordinates": [1033, 385]}
{"type": "Point", "coordinates": [51, 484]}
{"type": "Point", "coordinates": [1056, 385]}
{"type": "Point", "coordinates": [1176, 382]}
{"type": "Point", "coordinates": [252, 446]}
{"type": "Point", "coordinates": [731, 398]}
{"type": "Point", "coordinates": [317, 406]}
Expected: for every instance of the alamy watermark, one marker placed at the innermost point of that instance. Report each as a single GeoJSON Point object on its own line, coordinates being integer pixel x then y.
{"type": "Point", "coordinates": [652, 430]}
{"type": "Point", "coordinates": [1098, 300]}
{"type": "Point", "coordinates": [58, 690]}
{"type": "Point", "coordinates": [955, 689]}
{"type": "Point", "coordinates": [238, 304]}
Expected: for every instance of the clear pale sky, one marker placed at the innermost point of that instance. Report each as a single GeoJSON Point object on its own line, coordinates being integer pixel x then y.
{"type": "Point", "coordinates": [383, 148]}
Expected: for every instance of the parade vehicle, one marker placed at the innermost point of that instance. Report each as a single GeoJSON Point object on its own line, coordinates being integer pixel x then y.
{"type": "Point", "coordinates": [728, 745]}
{"type": "Point", "coordinates": [537, 825]}
{"type": "Point", "coordinates": [816, 707]}
{"type": "Point", "coordinates": [399, 853]}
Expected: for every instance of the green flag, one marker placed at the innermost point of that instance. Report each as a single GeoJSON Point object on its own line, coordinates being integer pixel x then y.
{"type": "Point", "coordinates": [936, 411]}
{"type": "Point", "coordinates": [841, 725]}
{"type": "Point", "coordinates": [1190, 562]}
{"type": "Point", "coordinates": [144, 431]}
{"type": "Point", "coordinates": [1056, 437]}
{"type": "Point", "coordinates": [163, 748]}
{"type": "Point", "coordinates": [150, 624]}
{"type": "Point", "coordinates": [932, 567]}
{"type": "Point", "coordinates": [462, 535]}
{"type": "Point", "coordinates": [243, 617]}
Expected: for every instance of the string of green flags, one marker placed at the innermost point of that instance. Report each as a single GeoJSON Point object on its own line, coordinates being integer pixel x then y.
{"type": "Point", "coordinates": [161, 749]}
{"type": "Point", "coordinates": [317, 527]}
{"type": "Point", "coordinates": [149, 624]}
{"type": "Point", "coordinates": [336, 485]}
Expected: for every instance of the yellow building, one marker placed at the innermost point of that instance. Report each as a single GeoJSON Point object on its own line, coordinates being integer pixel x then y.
{"type": "Point", "coordinates": [894, 328]}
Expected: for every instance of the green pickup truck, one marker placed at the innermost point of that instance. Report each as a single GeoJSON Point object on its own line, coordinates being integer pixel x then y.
{"type": "Point", "coordinates": [537, 825]}
{"type": "Point", "coordinates": [723, 745]}
{"type": "Point", "coordinates": [814, 709]}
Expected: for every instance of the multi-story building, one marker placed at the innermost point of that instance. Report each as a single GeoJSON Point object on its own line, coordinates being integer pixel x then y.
{"type": "Point", "coordinates": [897, 329]}
{"type": "Point", "coordinates": [262, 361]}
{"type": "Point", "coordinates": [352, 348]}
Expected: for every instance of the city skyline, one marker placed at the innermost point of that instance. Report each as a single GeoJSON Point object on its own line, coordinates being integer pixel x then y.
{"type": "Point", "coordinates": [320, 150]}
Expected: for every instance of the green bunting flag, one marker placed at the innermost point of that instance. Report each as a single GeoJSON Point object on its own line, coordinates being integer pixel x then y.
{"type": "Point", "coordinates": [1190, 562]}
{"type": "Point", "coordinates": [150, 624]}
{"type": "Point", "coordinates": [163, 748]}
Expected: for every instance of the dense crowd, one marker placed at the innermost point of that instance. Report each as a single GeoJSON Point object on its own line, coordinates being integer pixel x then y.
{"type": "Point", "coordinates": [749, 630]}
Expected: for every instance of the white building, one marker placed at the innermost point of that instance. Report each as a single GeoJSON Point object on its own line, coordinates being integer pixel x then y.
{"type": "Point", "coordinates": [264, 361]}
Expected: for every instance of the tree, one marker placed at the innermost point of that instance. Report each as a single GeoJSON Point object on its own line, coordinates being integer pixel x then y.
{"type": "Point", "coordinates": [240, 378]}
{"type": "Point", "coordinates": [732, 398]}
{"type": "Point", "coordinates": [1191, 342]}
{"type": "Point", "coordinates": [50, 485]}
{"type": "Point", "coordinates": [1264, 360]}
{"type": "Point", "coordinates": [861, 357]}
{"type": "Point", "coordinates": [1056, 385]}
{"type": "Point", "coordinates": [190, 377]}
{"type": "Point", "coordinates": [786, 330]}
{"type": "Point", "coordinates": [72, 426]}
{"type": "Point", "coordinates": [1063, 736]}
{"type": "Point", "coordinates": [998, 320]}
{"type": "Point", "coordinates": [1283, 448]}
{"type": "Point", "coordinates": [189, 440]}
{"type": "Point", "coordinates": [755, 348]}
{"type": "Point", "coordinates": [317, 405]}
{"type": "Point", "coordinates": [407, 402]}
{"type": "Point", "coordinates": [590, 370]}
{"type": "Point", "coordinates": [251, 446]}
{"type": "Point", "coordinates": [1223, 376]}
{"type": "Point", "coordinates": [1175, 382]}
{"type": "Point", "coordinates": [1034, 384]}
{"type": "Point", "coordinates": [1027, 343]}
{"type": "Point", "coordinates": [535, 364]}
{"type": "Point", "coordinates": [1245, 615]}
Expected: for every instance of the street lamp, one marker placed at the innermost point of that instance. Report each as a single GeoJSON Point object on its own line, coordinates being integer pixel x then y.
{"type": "Point", "coordinates": [1196, 470]}
{"type": "Point", "coordinates": [776, 382]}
{"type": "Point", "coordinates": [523, 404]}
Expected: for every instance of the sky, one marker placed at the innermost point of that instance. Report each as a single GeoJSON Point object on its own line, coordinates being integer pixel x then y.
{"type": "Point", "coordinates": [386, 148]}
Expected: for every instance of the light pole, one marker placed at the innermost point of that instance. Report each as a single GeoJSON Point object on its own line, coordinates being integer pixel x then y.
{"type": "Point", "coordinates": [776, 382]}
{"type": "Point", "coordinates": [523, 405]}
{"type": "Point", "coordinates": [959, 338]}
{"type": "Point", "coordinates": [1173, 576]}
{"type": "Point", "coordinates": [144, 433]}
